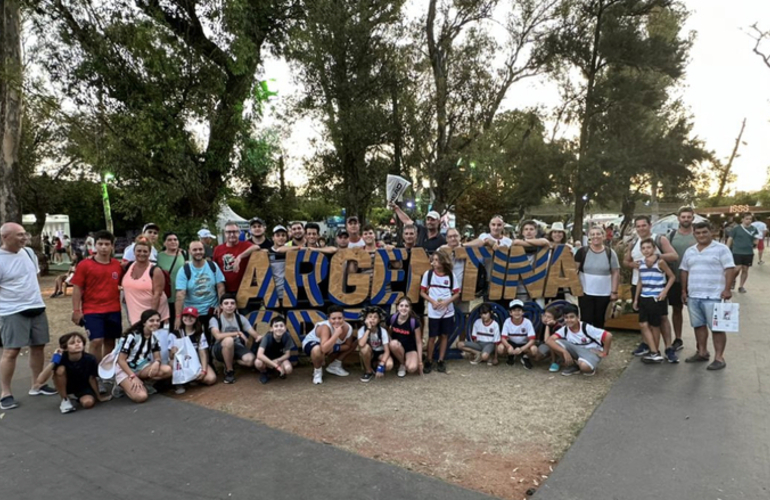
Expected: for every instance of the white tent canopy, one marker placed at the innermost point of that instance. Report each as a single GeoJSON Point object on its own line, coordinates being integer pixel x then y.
{"type": "Point", "coordinates": [226, 214]}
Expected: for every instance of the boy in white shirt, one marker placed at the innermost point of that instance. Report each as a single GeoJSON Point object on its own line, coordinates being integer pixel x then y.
{"type": "Point", "coordinates": [582, 346]}
{"type": "Point", "coordinates": [485, 337]}
{"type": "Point", "coordinates": [518, 335]}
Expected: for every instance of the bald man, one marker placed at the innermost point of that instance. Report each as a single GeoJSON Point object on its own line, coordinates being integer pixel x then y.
{"type": "Point", "coordinates": [22, 312]}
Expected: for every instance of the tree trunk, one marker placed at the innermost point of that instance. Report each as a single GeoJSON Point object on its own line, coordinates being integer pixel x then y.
{"type": "Point", "coordinates": [10, 110]}
{"type": "Point", "coordinates": [729, 166]}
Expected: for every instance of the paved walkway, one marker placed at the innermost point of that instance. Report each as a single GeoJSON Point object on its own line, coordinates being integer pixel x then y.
{"type": "Point", "coordinates": [679, 431]}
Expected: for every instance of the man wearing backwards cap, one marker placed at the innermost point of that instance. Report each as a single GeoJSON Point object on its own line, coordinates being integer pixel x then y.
{"type": "Point", "coordinates": [257, 228]}
{"type": "Point", "coordinates": [353, 228]}
{"type": "Point", "coordinates": [149, 231]}
{"type": "Point", "coordinates": [207, 239]}
{"type": "Point", "coordinates": [428, 236]}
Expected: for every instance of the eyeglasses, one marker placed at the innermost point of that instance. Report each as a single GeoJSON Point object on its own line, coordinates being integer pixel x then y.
{"type": "Point", "coordinates": [232, 232]}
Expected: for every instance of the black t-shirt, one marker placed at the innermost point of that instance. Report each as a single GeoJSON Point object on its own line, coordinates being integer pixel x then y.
{"type": "Point", "coordinates": [400, 330]}
{"type": "Point", "coordinates": [79, 372]}
{"type": "Point", "coordinates": [265, 245]}
{"type": "Point", "coordinates": [276, 348]}
{"type": "Point", "coordinates": [429, 244]}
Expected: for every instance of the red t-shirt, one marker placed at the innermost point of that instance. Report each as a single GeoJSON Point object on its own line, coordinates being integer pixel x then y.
{"type": "Point", "coordinates": [225, 256]}
{"type": "Point", "coordinates": [98, 284]}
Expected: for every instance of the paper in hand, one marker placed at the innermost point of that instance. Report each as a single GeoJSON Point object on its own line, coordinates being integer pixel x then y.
{"type": "Point", "coordinates": [395, 188]}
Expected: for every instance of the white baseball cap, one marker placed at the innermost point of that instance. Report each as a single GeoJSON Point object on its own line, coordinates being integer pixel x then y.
{"type": "Point", "coordinates": [516, 303]}
{"type": "Point", "coordinates": [205, 233]}
{"type": "Point", "coordinates": [279, 228]}
{"type": "Point", "coordinates": [433, 215]}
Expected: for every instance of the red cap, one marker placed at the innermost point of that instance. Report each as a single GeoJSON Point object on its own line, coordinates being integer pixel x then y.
{"type": "Point", "coordinates": [190, 311]}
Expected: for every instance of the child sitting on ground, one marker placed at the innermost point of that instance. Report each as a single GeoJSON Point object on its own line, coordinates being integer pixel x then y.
{"type": "Point", "coordinates": [74, 372]}
{"type": "Point", "coordinates": [485, 337]}
{"type": "Point", "coordinates": [193, 328]}
{"type": "Point", "coordinates": [274, 351]}
{"type": "Point", "coordinates": [582, 346]}
{"type": "Point", "coordinates": [373, 344]}
{"type": "Point", "coordinates": [552, 321]}
{"type": "Point", "coordinates": [518, 336]}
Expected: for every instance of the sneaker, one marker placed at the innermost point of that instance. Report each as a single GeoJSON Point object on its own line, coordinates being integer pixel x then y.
{"type": "Point", "coordinates": [150, 389]}
{"type": "Point", "coordinates": [652, 358]}
{"type": "Point", "coordinates": [229, 377]}
{"type": "Point", "coordinates": [118, 392]}
{"type": "Point", "coordinates": [43, 390]}
{"type": "Point", "coordinates": [476, 359]}
{"type": "Point", "coordinates": [697, 358]}
{"type": "Point", "coordinates": [318, 376]}
{"type": "Point", "coordinates": [671, 356]}
{"type": "Point", "coordinates": [180, 389]}
{"type": "Point", "coordinates": [366, 377]}
{"type": "Point", "coordinates": [716, 365]}
{"type": "Point", "coordinates": [335, 368]}
{"type": "Point", "coordinates": [65, 406]}
{"type": "Point", "coordinates": [590, 374]}
{"type": "Point", "coordinates": [741, 290]}
{"type": "Point", "coordinates": [678, 345]}
{"type": "Point", "coordinates": [264, 378]}
{"type": "Point", "coordinates": [402, 371]}
{"type": "Point", "coordinates": [642, 349]}
{"type": "Point", "coordinates": [441, 366]}
{"type": "Point", "coordinates": [8, 403]}
{"type": "Point", "coordinates": [100, 386]}
{"type": "Point", "coordinates": [511, 359]}
{"type": "Point", "coordinates": [657, 357]}
{"type": "Point", "coordinates": [526, 362]}
{"type": "Point", "coordinates": [554, 367]}
{"type": "Point", "coordinates": [427, 367]}
{"type": "Point", "coordinates": [570, 370]}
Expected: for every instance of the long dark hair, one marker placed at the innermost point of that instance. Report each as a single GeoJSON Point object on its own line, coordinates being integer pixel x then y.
{"type": "Point", "coordinates": [138, 327]}
{"type": "Point", "coordinates": [197, 330]}
{"type": "Point", "coordinates": [412, 314]}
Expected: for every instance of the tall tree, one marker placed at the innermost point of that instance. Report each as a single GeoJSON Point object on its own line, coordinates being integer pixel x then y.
{"type": "Point", "coordinates": [467, 90]}
{"type": "Point", "coordinates": [162, 90]}
{"type": "Point", "coordinates": [10, 109]}
{"type": "Point", "coordinates": [619, 60]}
{"type": "Point", "coordinates": [348, 64]}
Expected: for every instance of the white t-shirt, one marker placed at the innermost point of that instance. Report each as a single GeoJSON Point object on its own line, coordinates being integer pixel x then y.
{"type": "Point", "coordinates": [518, 334]}
{"type": "Point", "coordinates": [358, 244]}
{"type": "Point", "coordinates": [593, 340]}
{"type": "Point", "coordinates": [128, 253]}
{"type": "Point", "coordinates": [19, 289]}
{"type": "Point", "coordinates": [90, 245]}
{"type": "Point", "coordinates": [761, 227]}
{"type": "Point", "coordinates": [486, 333]}
{"type": "Point", "coordinates": [376, 340]}
{"type": "Point", "coordinates": [440, 288]}
{"type": "Point", "coordinates": [706, 270]}
{"type": "Point", "coordinates": [503, 242]}
{"type": "Point", "coordinates": [313, 336]}
{"type": "Point", "coordinates": [637, 255]}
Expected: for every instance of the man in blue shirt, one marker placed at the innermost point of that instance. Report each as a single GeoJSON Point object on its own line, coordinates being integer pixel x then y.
{"type": "Point", "coordinates": [199, 284]}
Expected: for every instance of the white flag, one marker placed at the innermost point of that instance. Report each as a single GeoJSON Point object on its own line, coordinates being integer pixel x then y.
{"type": "Point", "coordinates": [396, 187]}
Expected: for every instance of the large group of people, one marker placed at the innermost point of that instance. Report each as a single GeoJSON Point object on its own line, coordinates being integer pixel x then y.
{"type": "Point", "coordinates": [171, 293]}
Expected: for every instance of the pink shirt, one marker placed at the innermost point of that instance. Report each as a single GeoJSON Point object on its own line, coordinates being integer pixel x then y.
{"type": "Point", "coordinates": [138, 294]}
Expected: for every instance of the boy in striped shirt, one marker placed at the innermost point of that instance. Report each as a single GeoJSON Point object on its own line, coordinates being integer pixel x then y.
{"type": "Point", "coordinates": [651, 300]}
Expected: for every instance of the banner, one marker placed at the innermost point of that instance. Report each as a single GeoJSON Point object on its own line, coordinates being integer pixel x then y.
{"type": "Point", "coordinates": [395, 188]}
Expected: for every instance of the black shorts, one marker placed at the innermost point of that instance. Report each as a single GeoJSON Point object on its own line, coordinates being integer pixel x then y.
{"type": "Point", "coordinates": [80, 391]}
{"type": "Point", "coordinates": [743, 260]}
{"type": "Point", "coordinates": [240, 351]}
{"type": "Point", "coordinates": [376, 355]}
{"type": "Point", "coordinates": [675, 295]}
{"type": "Point", "coordinates": [441, 326]}
{"type": "Point", "coordinates": [408, 342]}
{"type": "Point", "coordinates": [652, 311]}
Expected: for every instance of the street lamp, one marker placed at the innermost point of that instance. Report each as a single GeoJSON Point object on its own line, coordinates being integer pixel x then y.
{"type": "Point", "coordinates": [106, 201]}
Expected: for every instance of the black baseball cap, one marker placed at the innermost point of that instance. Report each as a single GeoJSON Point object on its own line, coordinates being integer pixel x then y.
{"type": "Point", "coordinates": [353, 218]}
{"type": "Point", "coordinates": [343, 232]}
{"type": "Point", "coordinates": [257, 220]}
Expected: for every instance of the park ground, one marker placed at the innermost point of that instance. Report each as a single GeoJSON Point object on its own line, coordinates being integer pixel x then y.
{"type": "Point", "coordinates": [497, 430]}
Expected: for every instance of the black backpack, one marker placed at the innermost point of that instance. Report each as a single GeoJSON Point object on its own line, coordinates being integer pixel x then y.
{"type": "Point", "coordinates": [237, 320]}
{"type": "Point", "coordinates": [580, 257]}
{"type": "Point", "coordinates": [188, 270]}
{"type": "Point", "coordinates": [451, 279]}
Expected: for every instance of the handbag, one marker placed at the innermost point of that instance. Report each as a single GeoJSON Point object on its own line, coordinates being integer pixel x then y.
{"type": "Point", "coordinates": [187, 364]}
{"type": "Point", "coordinates": [726, 317]}
{"type": "Point", "coordinates": [109, 362]}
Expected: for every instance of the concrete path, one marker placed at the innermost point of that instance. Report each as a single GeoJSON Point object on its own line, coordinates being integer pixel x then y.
{"type": "Point", "coordinates": [679, 431]}
{"type": "Point", "coordinates": [168, 449]}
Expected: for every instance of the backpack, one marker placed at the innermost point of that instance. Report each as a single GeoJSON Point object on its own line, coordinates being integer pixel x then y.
{"type": "Point", "coordinates": [583, 325]}
{"type": "Point", "coordinates": [167, 274]}
{"type": "Point", "coordinates": [412, 321]}
{"type": "Point", "coordinates": [656, 239]}
{"type": "Point", "coordinates": [188, 270]}
{"type": "Point", "coordinates": [237, 320]}
{"type": "Point", "coordinates": [580, 257]}
{"type": "Point", "coordinates": [451, 279]}
{"type": "Point", "coordinates": [166, 286]}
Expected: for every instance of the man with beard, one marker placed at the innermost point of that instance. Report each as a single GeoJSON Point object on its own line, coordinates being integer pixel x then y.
{"type": "Point", "coordinates": [257, 237]}
{"type": "Point", "coordinates": [225, 255]}
{"type": "Point", "coordinates": [428, 236]}
{"type": "Point", "coordinates": [297, 235]}
{"type": "Point", "coordinates": [681, 239]}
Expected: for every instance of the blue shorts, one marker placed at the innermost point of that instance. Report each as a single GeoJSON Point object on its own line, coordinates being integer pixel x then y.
{"type": "Point", "coordinates": [701, 311]}
{"type": "Point", "coordinates": [308, 348]}
{"type": "Point", "coordinates": [103, 325]}
{"type": "Point", "coordinates": [441, 326]}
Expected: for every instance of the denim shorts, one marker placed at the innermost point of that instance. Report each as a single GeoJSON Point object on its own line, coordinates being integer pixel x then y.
{"type": "Point", "coordinates": [701, 311]}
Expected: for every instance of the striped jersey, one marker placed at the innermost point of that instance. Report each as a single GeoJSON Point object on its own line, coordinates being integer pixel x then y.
{"type": "Point", "coordinates": [653, 279]}
{"type": "Point", "coordinates": [139, 348]}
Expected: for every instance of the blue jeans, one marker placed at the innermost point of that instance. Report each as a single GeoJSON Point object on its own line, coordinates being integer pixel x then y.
{"type": "Point", "coordinates": [701, 311]}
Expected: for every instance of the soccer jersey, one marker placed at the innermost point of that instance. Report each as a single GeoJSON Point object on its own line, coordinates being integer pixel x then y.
{"type": "Point", "coordinates": [441, 288]}
{"type": "Point", "coordinates": [518, 334]}
{"type": "Point", "coordinates": [139, 348]}
{"type": "Point", "coordinates": [587, 336]}
{"type": "Point", "coordinates": [485, 333]}
{"type": "Point", "coordinates": [99, 284]}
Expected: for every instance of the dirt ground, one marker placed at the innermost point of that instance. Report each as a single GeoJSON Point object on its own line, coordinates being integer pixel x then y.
{"type": "Point", "coordinates": [499, 430]}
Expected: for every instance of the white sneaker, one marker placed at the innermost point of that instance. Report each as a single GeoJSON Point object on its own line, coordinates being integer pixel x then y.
{"type": "Point", "coordinates": [318, 376]}
{"type": "Point", "coordinates": [402, 371]}
{"type": "Point", "coordinates": [179, 389]}
{"type": "Point", "coordinates": [336, 368]}
{"type": "Point", "coordinates": [66, 407]}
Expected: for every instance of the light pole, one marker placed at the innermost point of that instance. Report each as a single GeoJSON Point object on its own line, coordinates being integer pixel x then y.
{"type": "Point", "coordinates": [106, 201]}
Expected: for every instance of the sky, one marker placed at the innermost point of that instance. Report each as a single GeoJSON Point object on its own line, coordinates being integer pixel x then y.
{"type": "Point", "coordinates": [724, 83]}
